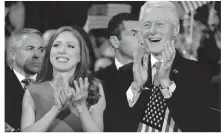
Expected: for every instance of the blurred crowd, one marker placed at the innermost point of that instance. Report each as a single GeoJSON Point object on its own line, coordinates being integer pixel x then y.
{"type": "Point", "coordinates": [199, 40]}
{"type": "Point", "coordinates": [205, 28]}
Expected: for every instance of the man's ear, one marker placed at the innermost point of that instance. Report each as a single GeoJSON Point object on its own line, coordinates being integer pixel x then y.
{"type": "Point", "coordinates": [114, 41]}
{"type": "Point", "coordinates": [176, 29]}
{"type": "Point", "coordinates": [12, 53]}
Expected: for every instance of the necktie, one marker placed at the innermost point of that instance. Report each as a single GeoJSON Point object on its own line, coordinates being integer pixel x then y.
{"type": "Point", "coordinates": [27, 82]}
{"type": "Point", "coordinates": [157, 67]}
{"type": "Point", "coordinates": [156, 107]}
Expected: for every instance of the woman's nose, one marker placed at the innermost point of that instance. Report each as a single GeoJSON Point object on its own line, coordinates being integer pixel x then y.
{"type": "Point", "coordinates": [62, 50]}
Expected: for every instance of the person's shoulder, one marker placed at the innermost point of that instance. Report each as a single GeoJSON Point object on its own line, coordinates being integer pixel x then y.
{"type": "Point", "coordinates": [104, 71]}
{"type": "Point", "coordinates": [127, 67]}
{"type": "Point", "coordinates": [197, 68]}
{"type": "Point", "coordinates": [183, 62]}
{"type": "Point", "coordinates": [9, 74]}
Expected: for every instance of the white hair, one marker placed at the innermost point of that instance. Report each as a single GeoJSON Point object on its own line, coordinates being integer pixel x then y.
{"type": "Point", "coordinates": [174, 15]}
{"type": "Point", "coordinates": [16, 39]}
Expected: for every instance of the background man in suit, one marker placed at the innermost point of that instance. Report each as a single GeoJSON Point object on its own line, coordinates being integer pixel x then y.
{"type": "Point", "coordinates": [123, 29]}
{"type": "Point", "coordinates": [26, 51]}
{"type": "Point", "coordinates": [168, 91]}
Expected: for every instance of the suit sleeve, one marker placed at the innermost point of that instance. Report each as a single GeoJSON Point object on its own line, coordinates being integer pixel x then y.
{"type": "Point", "coordinates": [188, 104]}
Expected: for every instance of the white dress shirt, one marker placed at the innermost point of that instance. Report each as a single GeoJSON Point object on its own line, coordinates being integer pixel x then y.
{"type": "Point", "coordinates": [21, 77]}
{"type": "Point", "coordinates": [117, 63]}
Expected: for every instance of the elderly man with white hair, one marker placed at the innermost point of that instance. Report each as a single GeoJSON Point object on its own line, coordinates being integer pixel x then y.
{"type": "Point", "coordinates": [168, 92]}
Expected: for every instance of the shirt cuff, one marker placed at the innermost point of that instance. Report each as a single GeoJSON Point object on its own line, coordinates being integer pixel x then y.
{"type": "Point", "coordinates": [129, 94]}
{"type": "Point", "coordinates": [168, 92]}
{"type": "Point", "coordinates": [131, 97]}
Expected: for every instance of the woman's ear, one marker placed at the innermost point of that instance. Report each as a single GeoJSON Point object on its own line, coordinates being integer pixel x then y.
{"type": "Point", "coordinates": [114, 41]}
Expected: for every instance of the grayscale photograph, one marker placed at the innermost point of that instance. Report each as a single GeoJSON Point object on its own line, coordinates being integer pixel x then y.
{"type": "Point", "coordinates": [112, 66]}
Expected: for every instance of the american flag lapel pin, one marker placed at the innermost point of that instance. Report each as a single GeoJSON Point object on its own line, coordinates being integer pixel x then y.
{"type": "Point", "coordinates": [175, 71]}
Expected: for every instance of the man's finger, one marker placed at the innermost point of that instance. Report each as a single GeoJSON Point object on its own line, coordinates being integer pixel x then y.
{"type": "Point", "coordinates": [166, 51]}
{"type": "Point", "coordinates": [145, 61]}
{"type": "Point", "coordinates": [170, 49]}
{"type": "Point", "coordinates": [173, 45]}
{"type": "Point", "coordinates": [137, 60]}
{"type": "Point", "coordinates": [164, 57]}
{"type": "Point", "coordinates": [135, 55]}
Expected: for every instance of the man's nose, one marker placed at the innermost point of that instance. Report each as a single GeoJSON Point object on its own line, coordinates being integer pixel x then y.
{"type": "Point", "coordinates": [152, 30]}
{"type": "Point", "coordinates": [36, 54]}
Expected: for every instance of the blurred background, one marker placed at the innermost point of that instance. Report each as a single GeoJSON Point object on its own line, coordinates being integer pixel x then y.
{"type": "Point", "coordinates": [200, 24]}
{"type": "Point", "coordinates": [199, 39]}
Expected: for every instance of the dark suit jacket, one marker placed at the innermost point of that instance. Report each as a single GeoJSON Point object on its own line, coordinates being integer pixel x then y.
{"type": "Point", "coordinates": [13, 99]}
{"type": "Point", "coordinates": [188, 105]}
{"type": "Point", "coordinates": [116, 83]}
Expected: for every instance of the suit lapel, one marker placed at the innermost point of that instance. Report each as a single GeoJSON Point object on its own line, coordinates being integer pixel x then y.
{"type": "Point", "coordinates": [176, 66]}
{"type": "Point", "coordinates": [148, 83]}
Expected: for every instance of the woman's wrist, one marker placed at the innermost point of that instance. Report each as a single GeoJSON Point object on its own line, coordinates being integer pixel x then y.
{"type": "Point", "coordinates": [55, 110]}
{"type": "Point", "coordinates": [82, 109]}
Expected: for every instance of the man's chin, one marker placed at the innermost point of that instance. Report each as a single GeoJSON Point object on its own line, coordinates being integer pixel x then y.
{"type": "Point", "coordinates": [32, 70]}
{"type": "Point", "coordinates": [155, 51]}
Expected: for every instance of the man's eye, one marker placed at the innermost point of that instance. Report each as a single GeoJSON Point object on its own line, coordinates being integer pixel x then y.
{"type": "Point", "coordinates": [133, 33]}
{"type": "Point", "coordinates": [41, 49]}
{"type": "Point", "coordinates": [29, 48]}
{"type": "Point", "coordinates": [160, 24]}
{"type": "Point", "coordinates": [147, 25]}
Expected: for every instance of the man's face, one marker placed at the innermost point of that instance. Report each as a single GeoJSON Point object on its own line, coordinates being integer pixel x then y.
{"type": "Point", "coordinates": [128, 42]}
{"type": "Point", "coordinates": [156, 29]}
{"type": "Point", "coordinates": [29, 56]}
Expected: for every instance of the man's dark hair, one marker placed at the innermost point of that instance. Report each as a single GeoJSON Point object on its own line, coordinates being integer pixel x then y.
{"type": "Point", "coordinates": [9, 3]}
{"type": "Point", "coordinates": [115, 25]}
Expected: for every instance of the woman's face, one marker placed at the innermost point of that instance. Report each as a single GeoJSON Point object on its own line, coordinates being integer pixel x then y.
{"type": "Point", "coordinates": [65, 52]}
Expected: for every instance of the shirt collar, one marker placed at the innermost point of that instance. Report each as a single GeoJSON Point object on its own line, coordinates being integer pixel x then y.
{"type": "Point", "coordinates": [21, 77]}
{"type": "Point", "coordinates": [117, 63]}
{"type": "Point", "coordinates": [153, 60]}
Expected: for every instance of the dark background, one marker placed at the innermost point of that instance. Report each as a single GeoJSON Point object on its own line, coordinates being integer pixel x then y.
{"type": "Point", "coordinates": [44, 15]}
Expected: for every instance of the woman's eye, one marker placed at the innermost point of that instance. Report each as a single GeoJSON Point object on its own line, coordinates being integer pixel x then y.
{"type": "Point", "coordinates": [55, 45]}
{"type": "Point", "coordinates": [71, 46]}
